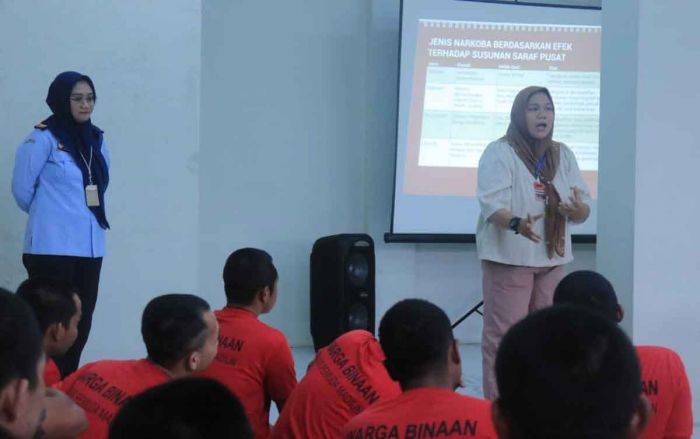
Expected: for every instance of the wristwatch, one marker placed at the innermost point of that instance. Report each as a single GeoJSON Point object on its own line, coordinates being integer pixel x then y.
{"type": "Point", "coordinates": [514, 223]}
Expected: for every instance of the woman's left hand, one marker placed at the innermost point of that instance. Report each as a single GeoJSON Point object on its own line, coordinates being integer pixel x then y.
{"type": "Point", "coordinates": [575, 209]}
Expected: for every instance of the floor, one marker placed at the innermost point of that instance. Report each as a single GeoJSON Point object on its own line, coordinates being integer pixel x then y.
{"type": "Point", "coordinates": [471, 369]}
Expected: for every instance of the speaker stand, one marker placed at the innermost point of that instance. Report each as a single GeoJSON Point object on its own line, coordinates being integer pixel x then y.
{"type": "Point", "coordinates": [474, 309]}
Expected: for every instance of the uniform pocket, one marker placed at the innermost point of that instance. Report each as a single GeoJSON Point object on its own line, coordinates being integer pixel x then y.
{"type": "Point", "coordinates": [68, 168]}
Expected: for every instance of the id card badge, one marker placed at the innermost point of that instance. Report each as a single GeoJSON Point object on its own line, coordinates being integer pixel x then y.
{"type": "Point", "coordinates": [540, 191]}
{"type": "Point", "coordinates": [92, 196]}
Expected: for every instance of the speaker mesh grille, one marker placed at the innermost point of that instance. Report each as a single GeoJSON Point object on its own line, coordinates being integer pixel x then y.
{"type": "Point", "coordinates": [357, 269]}
{"type": "Point", "coordinates": [358, 317]}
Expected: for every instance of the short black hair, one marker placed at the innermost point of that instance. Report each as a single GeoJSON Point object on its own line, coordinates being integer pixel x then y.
{"type": "Point", "coordinates": [172, 326]}
{"type": "Point", "coordinates": [247, 271]}
{"type": "Point", "coordinates": [415, 336]}
{"type": "Point", "coordinates": [565, 372]}
{"type": "Point", "coordinates": [20, 341]}
{"type": "Point", "coordinates": [590, 290]}
{"type": "Point", "coordinates": [51, 300]}
{"type": "Point", "coordinates": [188, 408]}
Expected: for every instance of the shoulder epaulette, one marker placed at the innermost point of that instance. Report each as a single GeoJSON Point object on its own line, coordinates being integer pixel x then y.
{"type": "Point", "coordinates": [41, 126]}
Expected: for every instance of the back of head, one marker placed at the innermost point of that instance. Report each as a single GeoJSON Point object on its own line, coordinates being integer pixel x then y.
{"type": "Point", "coordinates": [172, 326]}
{"type": "Point", "coordinates": [50, 299]}
{"type": "Point", "coordinates": [590, 290]}
{"type": "Point", "coordinates": [565, 372]}
{"type": "Point", "coordinates": [188, 408]}
{"type": "Point", "coordinates": [415, 336]}
{"type": "Point", "coordinates": [20, 341]}
{"type": "Point", "coordinates": [247, 271]}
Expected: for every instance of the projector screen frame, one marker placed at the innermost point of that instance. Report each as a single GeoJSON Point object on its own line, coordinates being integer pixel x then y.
{"type": "Point", "coordinates": [459, 238]}
{"type": "Point", "coordinates": [456, 238]}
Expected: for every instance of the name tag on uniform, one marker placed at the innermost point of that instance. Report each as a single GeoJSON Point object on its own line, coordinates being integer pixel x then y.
{"type": "Point", "coordinates": [540, 194]}
{"type": "Point", "coordinates": [92, 196]}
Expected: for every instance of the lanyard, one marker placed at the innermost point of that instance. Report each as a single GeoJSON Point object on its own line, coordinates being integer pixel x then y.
{"type": "Point", "coordinates": [89, 165]}
{"type": "Point", "coordinates": [538, 168]}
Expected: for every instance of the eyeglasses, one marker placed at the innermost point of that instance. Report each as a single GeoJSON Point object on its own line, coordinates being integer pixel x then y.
{"type": "Point", "coordinates": [78, 99]}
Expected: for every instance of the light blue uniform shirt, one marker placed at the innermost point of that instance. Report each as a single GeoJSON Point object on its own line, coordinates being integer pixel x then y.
{"type": "Point", "coordinates": [48, 185]}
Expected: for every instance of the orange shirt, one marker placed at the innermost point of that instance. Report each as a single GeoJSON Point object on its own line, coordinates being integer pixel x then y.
{"type": "Point", "coordinates": [254, 361]}
{"type": "Point", "coordinates": [346, 377]}
{"type": "Point", "coordinates": [51, 373]}
{"type": "Point", "coordinates": [424, 413]}
{"type": "Point", "coordinates": [665, 385]}
{"type": "Point", "coordinates": [102, 387]}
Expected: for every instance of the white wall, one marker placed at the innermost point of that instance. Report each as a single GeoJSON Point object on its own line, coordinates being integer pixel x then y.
{"type": "Point", "coordinates": [297, 141]}
{"type": "Point", "coordinates": [144, 58]}
{"type": "Point", "coordinates": [298, 129]}
{"type": "Point", "coordinates": [652, 153]}
{"type": "Point", "coordinates": [283, 135]}
{"type": "Point", "coordinates": [667, 246]}
{"type": "Point", "coordinates": [298, 113]}
{"type": "Point", "coordinates": [668, 159]}
{"type": "Point", "coordinates": [618, 137]}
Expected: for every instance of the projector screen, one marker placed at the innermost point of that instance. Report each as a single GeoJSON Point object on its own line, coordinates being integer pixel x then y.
{"type": "Point", "coordinates": [461, 65]}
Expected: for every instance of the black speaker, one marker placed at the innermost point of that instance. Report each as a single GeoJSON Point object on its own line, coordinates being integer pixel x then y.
{"type": "Point", "coordinates": [342, 286]}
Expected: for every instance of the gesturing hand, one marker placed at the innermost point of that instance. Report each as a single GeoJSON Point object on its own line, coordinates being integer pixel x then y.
{"type": "Point", "coordinates": [575, 208]}
{"type": "Point", "coordinates": [526, 227]}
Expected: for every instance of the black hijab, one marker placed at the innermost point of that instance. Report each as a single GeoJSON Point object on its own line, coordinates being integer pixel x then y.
{"type": "Point", "coordinates": [78, 138]}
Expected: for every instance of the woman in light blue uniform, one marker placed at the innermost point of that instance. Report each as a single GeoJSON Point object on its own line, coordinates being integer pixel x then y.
{"type": "Point", "coordinates": [60, 177]}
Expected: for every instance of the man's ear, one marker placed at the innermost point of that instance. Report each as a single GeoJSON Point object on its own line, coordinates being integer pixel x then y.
{"type": "Point", "coordinates": [454, 365]}
{"type": "Point", "coordinates": [193, 361]}
{"type": "Point", "coordinates": [620, 313]}
{"type": "Point", "coordinates": [13, 397]}
{"type": "Point", "coordinates": [500, 421]}
{"type": "Point", "coordinates": [56, 332]}
{"type": "Point", "coordinates": [265, 295]}
{"type": "Point", "coordinates": [453, 354]}
{"type": "Point", "coordinates": [640, 419]}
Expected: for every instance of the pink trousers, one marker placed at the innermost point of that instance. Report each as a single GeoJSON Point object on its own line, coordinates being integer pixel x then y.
{"type": "Point", "coordinates": [510, 293]}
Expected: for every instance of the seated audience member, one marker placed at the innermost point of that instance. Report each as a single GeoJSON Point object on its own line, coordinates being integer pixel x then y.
{"type": "Point", "coordinates": [21, 369]}
{"type": "Point", "coordinates": [187, 408]}
{"type": "Point", "coordinates": [664, 381]}
{"type": "Point", "coordinates": [179, 331]}
{"type": "Point", "coordinates": [344, 379]}
{"type": "Point", "coordinates": [423, 356]}
{"type": "Point", "coordinates": [25, 405]}
{"type": "Point", "coordinates": [254, 360]}
{"type": "Point", "coordinates": [566, 373]}
{"type": "Point", "coordinates": [56, 306]}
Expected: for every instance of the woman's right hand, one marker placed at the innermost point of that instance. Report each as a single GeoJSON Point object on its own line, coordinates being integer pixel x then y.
{"type": "Point", "coordinates": [526, 227]}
